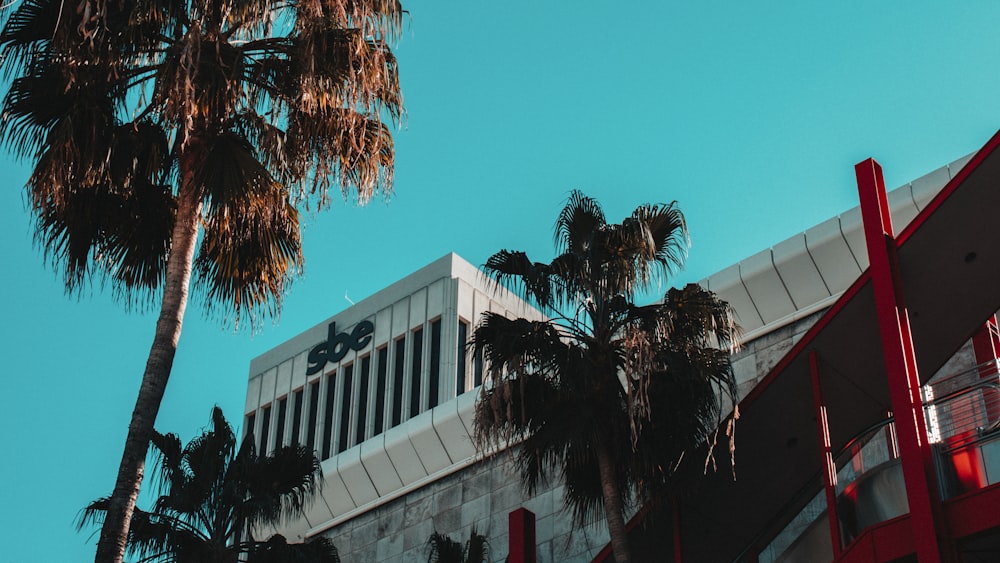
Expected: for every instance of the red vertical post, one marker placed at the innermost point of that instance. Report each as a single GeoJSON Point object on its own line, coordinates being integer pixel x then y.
{"type": "Point", "coordinates": [900, 363]}
{"type": "Point", "coordinates": [521, 536]}
{"type": "Point", "coordinates": [829, 467]}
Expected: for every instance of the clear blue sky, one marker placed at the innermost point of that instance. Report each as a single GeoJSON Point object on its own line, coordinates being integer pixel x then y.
{"type": "Point", "coordinates": [751, 115]}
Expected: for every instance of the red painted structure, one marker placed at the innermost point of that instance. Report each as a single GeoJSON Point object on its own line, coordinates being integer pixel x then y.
{"type": "Point", "coordinates": [521, 536]}
{"type": "Point", "coordinates": [900, 363]}
{"type": "Point", "coordinates": [867, 355]}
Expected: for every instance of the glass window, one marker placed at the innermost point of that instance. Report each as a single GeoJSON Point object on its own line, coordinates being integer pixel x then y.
{"type": "Point", "coordinates": [361, 424]}
{"type": "Point", "coordinates": [477, 368]}
{"type": "Point", "coordinates": [382, 367]}
{"type": "Point", "coordinates": [418, 346]}
{"type": "Point", "coordinates": [251, 419]}
{"type": "Point", "coordinates": [397, 382]}
{"type": "Point", "coordinates": [331, 382]}
{"type": "Point", "coordinates": [343, 439]}
{"type": "Point", "coordinates": [463, 335]}
{"type": "Point", "coordinates": [265, 421]}
{"type": "Point", "coordinates": [435, 367]}
{"type": "Point", "coordinates": [296, 417]}
{"type": "Point", "coordinates": [313, 414]}
{"type": "Point", "coordinates": [279, 435]}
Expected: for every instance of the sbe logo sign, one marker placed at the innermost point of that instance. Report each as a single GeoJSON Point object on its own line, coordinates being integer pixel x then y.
{"type": "Point", "coordinates": [337, 345]}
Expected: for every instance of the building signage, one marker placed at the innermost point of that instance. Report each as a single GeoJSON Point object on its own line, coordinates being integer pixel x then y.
{"type": "Point", "coordinates": [337, 345]}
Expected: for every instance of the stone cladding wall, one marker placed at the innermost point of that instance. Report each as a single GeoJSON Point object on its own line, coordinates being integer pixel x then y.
{"type": "Point", "coordinates": [482, 496]}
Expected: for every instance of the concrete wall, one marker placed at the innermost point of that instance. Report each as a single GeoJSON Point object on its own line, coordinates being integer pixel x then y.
{"type": "Point", "coordinates": [481, 496]}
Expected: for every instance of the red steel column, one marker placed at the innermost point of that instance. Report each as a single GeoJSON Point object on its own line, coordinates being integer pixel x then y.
{"type": "Point", "coordinates": [900, 364]}
{"type": "Point", "coordinates": [829, 469]}
{"type": "Point", "coordinates": [521, 536]}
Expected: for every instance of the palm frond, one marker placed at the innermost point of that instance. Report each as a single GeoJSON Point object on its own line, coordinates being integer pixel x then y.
{"type": "Point", "coordinates": [277, 550]}
{"type": "Point", "coordinates": [533, 280]}
{"type": "Point", "coordinates": [577, 224]}
{"type": "Point", "coordinates": [251, 247]}
{"type": "Point", "coordinates": [443, 549]}
{"type": "Point", "coordinates": [277, 485]}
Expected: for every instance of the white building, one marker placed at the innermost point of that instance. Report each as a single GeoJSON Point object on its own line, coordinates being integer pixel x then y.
{"type": "Point", "coordinates": [382, 390]}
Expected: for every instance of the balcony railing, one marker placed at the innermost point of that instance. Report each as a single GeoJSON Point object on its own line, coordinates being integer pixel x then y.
{"type": "Point", "coordinates": [963, 425]}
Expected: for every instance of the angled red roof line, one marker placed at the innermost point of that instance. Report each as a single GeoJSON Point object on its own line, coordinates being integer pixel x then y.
{"type": "Point", "coordinates": [849, 294]}
{"type": "Point", "coordinates": [865, 276]}
{"type": "Point", "coordinates": [949, 188]}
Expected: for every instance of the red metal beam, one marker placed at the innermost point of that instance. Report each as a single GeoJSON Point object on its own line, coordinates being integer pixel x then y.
{"type": "Point", "coordinates": [900, 363]}
{"type": "Point", "coordinates": [829, 468]}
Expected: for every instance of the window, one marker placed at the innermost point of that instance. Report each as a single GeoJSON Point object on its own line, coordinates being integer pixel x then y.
{"type": "Point", "coordinates": [331, 381]}
{"type": "Point", "coordinates": [397, 382]}
{"type": "Point", "coordinates": [463, 335]}
{"type": "Point", "coordinates": [265, 421]}
{"type": "Point", "coordinates": [251, 419]}
{"type": "Point", "coordinates": [343, 440]}
{"type": "Point", "coordinates": [313, 414]}
{"type": "Point", "coordinates": [477, 368]}
{"type": "Point", "coordinates": [296, 417]}
{"type": "Point", "coordinates": [382, 367]}
{"type": "Point", "coordinates": [279, 436]}
{"type": "Point", "coordinates": [418, 345]}
{"type": "Point", "coordinates": [435, 368]}
{"type": "Point", "coordinates": [361, 424]}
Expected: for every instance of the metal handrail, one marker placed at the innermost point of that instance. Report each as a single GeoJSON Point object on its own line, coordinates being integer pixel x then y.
{"type": "Point", "coordinates": [863, 437]}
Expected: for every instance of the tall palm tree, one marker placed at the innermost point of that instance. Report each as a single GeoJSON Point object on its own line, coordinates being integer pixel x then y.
{"type": "Point", "coordinates": [606, 393]}
{"type": "Point", "coordinates": [156, 124]}
{"type": "Point", "coordinates": [215, 495]}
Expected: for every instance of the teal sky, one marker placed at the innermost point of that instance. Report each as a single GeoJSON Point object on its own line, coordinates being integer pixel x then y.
{"type": "Point", "coordinates": [750, 114]}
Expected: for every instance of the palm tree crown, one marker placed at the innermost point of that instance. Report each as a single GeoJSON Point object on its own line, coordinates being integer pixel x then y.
{"type": "Point", "coordinates": [156, 124]}
{"type": "Point", "coordinates": [215, 495]}
{"type": "Point", "coordinates": [249, 106]}
{"type": "Point", "coordinates": [607, 393]}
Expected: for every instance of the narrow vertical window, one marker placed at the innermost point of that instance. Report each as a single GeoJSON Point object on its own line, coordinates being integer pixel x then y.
{"type": "Point", "coordinates": [296, 417]}
{"type": "Point", "coordinates": [361, 424]}
{"type": "Point", "coordinates": [418, 347]}
{"type": "Point", "coordinates": [248, 429]}
{"type": "Point", "coordinates": [397, 382]}
{"type": "Point", "coordinates": [382, 368]}
{"type": "Point", "coordinates": [279, 435]}
{"type": "Point", "coordinates": [477, 368]}
{"type": "Point", "coordinates": [265, 422]}
{"type": "Point", "coordinates": [331, 383]}
{"type": "Point", "coordinates": [435, 367]}
{"type": "Point", "coordinates": [343, 440]}
{"type": "Point", "coordinates": [313, 415]}
{"type": "Point", "coordinates": [463, 335]}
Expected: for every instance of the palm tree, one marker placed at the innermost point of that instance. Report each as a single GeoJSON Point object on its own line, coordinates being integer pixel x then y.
{"type": "Point", "coordinates": [606, 393]}
{"type": "Point", "coordinates": [443, 549]}
{"type": "Point", "coordinates": [215, 495]}
{"type": "Point", "coordinates": [153, 124]}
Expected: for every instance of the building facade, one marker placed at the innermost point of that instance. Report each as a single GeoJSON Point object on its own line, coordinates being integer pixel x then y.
{"type": "Point", "coordinates": [870, 397]}
{"type": "Point", "coordinates": [385, 393]}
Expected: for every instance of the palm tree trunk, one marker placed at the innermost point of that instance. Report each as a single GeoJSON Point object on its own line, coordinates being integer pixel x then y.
{"type": "Point", "coordinates": [614, 509]}
{"type": "Point", "coordinates": [114, 532]}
